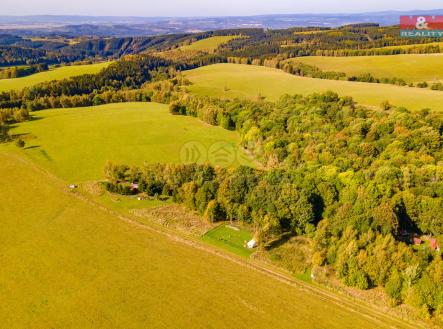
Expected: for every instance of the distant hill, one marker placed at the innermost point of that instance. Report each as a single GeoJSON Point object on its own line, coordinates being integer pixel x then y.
{"type": "Point", "coordinates": [142, 26]}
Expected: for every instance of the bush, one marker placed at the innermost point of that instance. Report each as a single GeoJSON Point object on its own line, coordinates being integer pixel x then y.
{"type": "Point", "coordinates": [437, 86]}
{"type": "Point", "coordinates": [174, 108]}
{"type": "Point", "coordinates": [20, 143]}
{"type": "Point", "coordinates": [393, 287]}
{"type": "Point", "coordinates": [385, 105]}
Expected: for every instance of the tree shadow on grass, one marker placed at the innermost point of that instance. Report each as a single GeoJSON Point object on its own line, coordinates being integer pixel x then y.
{"type": "Point", "coordinates": [34, 118]}
{"type": "Point", "coordinates": [31, 147]}
{"type": "Point", "coordinates": [15, 136]}
{"type": "Point", "coordinates": [279, 241]}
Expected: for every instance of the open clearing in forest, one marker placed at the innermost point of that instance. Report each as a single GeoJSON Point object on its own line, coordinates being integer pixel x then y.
{"type": "Point", "coordinates": [76, 143]}
{"type": "Point", "coordinates": [411, 68]}
{"type": "Point", "coordinates": [66, 263]}
{"type": "Point", "coordinates": [209, 44]}
{"type": "Point", "coordinates": [248, 81]}
{"type": "Point", "coordinates": [59, 73]}
{"type": "Point", "coordinates": [230, 238]}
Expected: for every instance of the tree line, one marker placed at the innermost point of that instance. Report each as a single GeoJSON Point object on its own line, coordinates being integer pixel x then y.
{"type": "Point", "coordinates": [18, 72]}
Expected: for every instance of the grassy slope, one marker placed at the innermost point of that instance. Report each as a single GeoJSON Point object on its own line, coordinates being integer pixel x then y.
{"type": "Point", "coordinates": [411, 68]}
{"type": "Point", "coordinates": [53, 74]}
{"type": "Point", "coordinates": [76, 143]}
{"type": "Point", "coordinates": [248, 81]}
{"type": "Point", "coordinates": [66, 264]}
{"type": "Point", "coordinates": [413, 45]}
{"type": "Point", "coordinates": [209, 44]}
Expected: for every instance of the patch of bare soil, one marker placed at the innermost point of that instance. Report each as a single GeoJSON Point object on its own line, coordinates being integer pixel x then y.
{"type": "Point", "coordinates": [175, 217]}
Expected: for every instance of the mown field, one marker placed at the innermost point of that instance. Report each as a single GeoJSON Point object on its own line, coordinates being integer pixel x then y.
{"type": "Point", "coordinates": [53, 74]}
{"type": "Point", "coordinates": [248, 81]}
{"type": "Point", "coordinates": [209, 44]}
{"type": "Point", "coordinates": [410, 67]}
{"type": "Point", "coordinates": [230, 238]}
{"type": "Point", "coordinates": [66, 264]}
{"type": "Point", "coordinates": [76, 143]}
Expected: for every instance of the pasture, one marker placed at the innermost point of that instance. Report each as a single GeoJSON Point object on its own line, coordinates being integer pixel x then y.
{"type": "Point", "coordinates": [411, 68]}
{"type": "Point", "coordinates": [248, 81]}
{"type": "Point", "coordinates": [59, 73]}
{"type": "Point", "coordinates": [64, 263]}
{"type": "Point", "coordinates": [230, 238]}
{"type": "Point", "coordinates": [209, 44]}
{"type": "Point", "coordinates": [76, 143]}
{"type": "Point", "coordinates": [414, 45]}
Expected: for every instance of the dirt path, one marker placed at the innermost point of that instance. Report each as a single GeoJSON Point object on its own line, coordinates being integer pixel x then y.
{"type": "Point", "coordinates": [345, 302]}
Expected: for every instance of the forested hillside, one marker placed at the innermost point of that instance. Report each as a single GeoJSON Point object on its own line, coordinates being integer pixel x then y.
{"type": "Point", "coordinates": [358, 39]}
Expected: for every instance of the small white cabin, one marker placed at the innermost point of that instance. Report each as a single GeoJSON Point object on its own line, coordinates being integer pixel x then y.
{"type": "Point", "coordinates": [251, 244]}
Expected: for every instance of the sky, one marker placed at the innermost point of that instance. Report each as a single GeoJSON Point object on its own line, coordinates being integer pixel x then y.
{"type": "Point", "coordinates": [205, 8]}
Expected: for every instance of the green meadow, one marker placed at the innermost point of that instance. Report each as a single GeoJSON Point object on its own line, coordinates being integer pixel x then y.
{"type": "Point", "coordinates": [76, 143]}
{"type": "Point", "coordinates": [64, 263]}
{"type": "Point", "coordinates": [248, 81]}
{"type": "Point", "coordinates": [410, 67]}
{"type": "Point", "coordinates": [209, 44]}
{"type": "Point", "coordinates": [60, 73]}
{"type": "Point", "coordinates": [230, 238]}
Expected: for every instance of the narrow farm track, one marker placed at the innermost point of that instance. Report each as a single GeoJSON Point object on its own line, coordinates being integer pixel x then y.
{"type": "Point", "coordinates": [362, 309]}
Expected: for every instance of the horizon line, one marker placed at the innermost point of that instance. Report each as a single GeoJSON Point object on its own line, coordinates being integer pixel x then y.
{"type": "Point", "coordinates": [221, 16]}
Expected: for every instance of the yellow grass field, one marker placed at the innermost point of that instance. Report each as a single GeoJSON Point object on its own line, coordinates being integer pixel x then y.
{"type": "Point", "coordinates": [209, 44]}
{"type": "Point", "coordinates": [60, 73]}
{"type": "Point", "coordinates": [247, 81]}
{"type": "Point", "coordinates": [410, 67]}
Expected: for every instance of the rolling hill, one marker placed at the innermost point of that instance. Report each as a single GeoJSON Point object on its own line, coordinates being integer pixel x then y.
{"type": "Point", "coordinates": [209, 44]}
{"type": "Point", "coordinates": [409, 67]}
{"type": "Point", "coordinates": [124, 133]}
{"type": "Point", "coordinates": [60, 73]}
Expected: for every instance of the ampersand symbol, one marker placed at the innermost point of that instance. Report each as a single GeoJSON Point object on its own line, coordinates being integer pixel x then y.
{"type": "Point", "coordinates": [421, 23]}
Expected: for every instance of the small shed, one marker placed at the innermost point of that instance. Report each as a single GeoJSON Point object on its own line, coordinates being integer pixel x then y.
{"type": "Point", "coordinates": [251, 244]}
{"type": "Point", "coordinates": [417, 241]}
{"type": "Point", "coordinates": [134, 186]}
{"type": "Point", "coordinates": [433, 243]}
